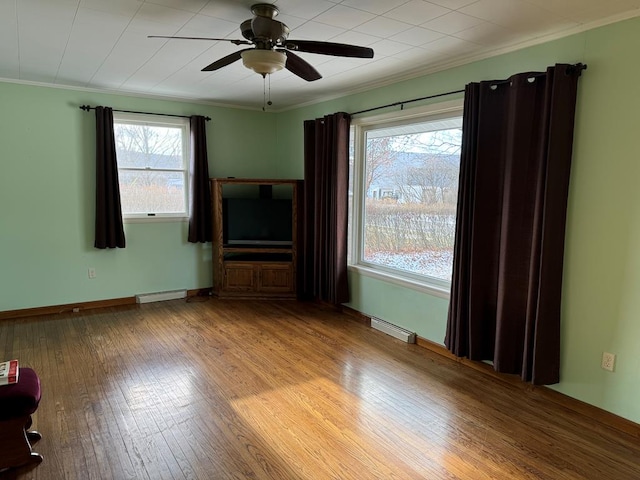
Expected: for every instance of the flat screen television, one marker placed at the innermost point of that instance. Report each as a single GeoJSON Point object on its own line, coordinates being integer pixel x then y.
{"type": "Point", "coordinates": [257, 222]}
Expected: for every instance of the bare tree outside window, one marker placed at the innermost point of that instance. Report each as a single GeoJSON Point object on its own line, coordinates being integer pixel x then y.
{"type": "Point", "coordinates": [151, 167]}
{"type": "Point", "coordinates": [380, 159]}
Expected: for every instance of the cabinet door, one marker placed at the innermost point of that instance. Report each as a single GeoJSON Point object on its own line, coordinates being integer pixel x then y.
{"type": "Point", "coordinates": [276, 278]}
{"type": "Point", "coordinates": [239, 277]}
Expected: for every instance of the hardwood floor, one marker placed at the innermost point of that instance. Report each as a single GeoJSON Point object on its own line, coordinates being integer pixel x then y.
{"type": "Point", "coordinates": [266, 390]}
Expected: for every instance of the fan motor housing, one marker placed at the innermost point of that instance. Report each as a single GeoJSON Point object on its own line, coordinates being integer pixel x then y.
{"type": "Point", "coordinates": [245, 29]}
{"type": "Point", "coordinates": [267, 10]}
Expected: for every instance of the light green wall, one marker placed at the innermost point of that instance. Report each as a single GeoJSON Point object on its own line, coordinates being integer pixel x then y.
{"type": "Point", "coordinates": [601, 303]}
{"type": "Point", "coordinates": [47, 152]}
{"type": "Point", "coordinates": [46, 205]}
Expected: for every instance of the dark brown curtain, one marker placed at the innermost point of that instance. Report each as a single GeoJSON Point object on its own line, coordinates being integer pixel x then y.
{"type": "Point", "coordinates": [326, 175]}
{"type": "Point", "coordinates": [512, 201]}
{"type": "Point", "coordinates": [200, 229]}
{"type": "Point", "coordinates": [109, 230]}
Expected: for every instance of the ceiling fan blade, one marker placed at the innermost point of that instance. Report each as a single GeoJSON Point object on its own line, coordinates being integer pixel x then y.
{"type": "Point", "coordinates": [301, 68]}
{"type": "Point", "coordinates": [224, 61]}
{"type": "Point", "coordinates": [329, 48]}
{"type": "Point", "coordinates": [236, 42]}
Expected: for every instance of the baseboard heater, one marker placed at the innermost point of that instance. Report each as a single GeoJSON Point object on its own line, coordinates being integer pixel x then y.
{"type": "Point", "coordinates": [160, 296]}
{"type": "Point", "coordinates": [393, 330]}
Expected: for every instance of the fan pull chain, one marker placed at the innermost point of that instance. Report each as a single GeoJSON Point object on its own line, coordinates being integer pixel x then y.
{"type": "Point", "coordinates": [266, 102]}
{"type": "Point", "coordinates": [264, 93]}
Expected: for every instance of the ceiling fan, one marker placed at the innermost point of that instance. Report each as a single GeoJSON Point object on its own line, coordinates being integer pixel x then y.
{"type": "Point", "coordinates": [272, 49]}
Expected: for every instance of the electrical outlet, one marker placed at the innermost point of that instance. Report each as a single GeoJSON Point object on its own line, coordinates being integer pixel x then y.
{"type": "Point", "coordinates": [608, 361]}
{"type": "Point", "coordinates": [92, 272]}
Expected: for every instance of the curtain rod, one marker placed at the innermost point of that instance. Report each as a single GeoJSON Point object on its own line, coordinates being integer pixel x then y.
{"type": "Point", "coordinates": [86, 108]}
{"type": "Point", "coordinates": [406, 101]}
{"type": "Point", "coordinates": [576, 68]}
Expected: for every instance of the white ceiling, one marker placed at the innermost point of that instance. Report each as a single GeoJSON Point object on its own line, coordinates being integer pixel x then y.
{"type": "Point", "coordinates": [103, 44]}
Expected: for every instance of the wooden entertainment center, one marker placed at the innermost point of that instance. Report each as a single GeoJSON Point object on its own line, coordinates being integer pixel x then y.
{"type": "Point", "coordinates": [260, 267]}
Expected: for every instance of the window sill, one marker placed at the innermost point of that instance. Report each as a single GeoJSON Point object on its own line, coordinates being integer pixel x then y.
{"type": "Point", "coordinates": [155, 219]}
{"type": "Point", "coordinates": [423, 287]}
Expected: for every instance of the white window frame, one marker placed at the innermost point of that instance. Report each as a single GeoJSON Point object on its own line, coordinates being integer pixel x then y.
{"type": "Point", "coordinates": [431, 285]}
{"type": "Point", "coordinates": [160, 121]}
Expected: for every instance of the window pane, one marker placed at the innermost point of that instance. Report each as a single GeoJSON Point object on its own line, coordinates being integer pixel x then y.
{"type": "Point", "coordinates": [152, 192]}
{"type": "Point", "coordinates": [146, 146]}
{"type": "Point", "coordinates": [411, 183]}
{"type": "Point", "coordinates": [152, 166]}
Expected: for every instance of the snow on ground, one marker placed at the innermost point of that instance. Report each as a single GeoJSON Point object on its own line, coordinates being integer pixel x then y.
{"type": "Point", "coordinates": [438, 264]}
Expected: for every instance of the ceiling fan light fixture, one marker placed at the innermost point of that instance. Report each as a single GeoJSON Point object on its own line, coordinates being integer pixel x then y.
{"type": "Point", "coordinates": [264, 62]}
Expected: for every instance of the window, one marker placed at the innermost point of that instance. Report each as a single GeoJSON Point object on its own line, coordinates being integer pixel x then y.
{"type": "Point", "coordinates": [152, 155]}
{"type": "Point", "coordinates": [404, 174]}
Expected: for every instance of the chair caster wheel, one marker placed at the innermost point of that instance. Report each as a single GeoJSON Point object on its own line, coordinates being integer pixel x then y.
{"type": "Point", "coordinates": [34, 437]}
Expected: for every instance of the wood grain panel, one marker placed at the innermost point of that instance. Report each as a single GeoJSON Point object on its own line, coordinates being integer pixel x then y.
{"type": "Point", "coordinates": [276, 277]}
{"type": "Point", "coordinates": [239, 277]}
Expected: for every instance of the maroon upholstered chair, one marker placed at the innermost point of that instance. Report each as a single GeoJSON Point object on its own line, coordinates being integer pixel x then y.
{"type": "Point", "coordinates": [17, 403]}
